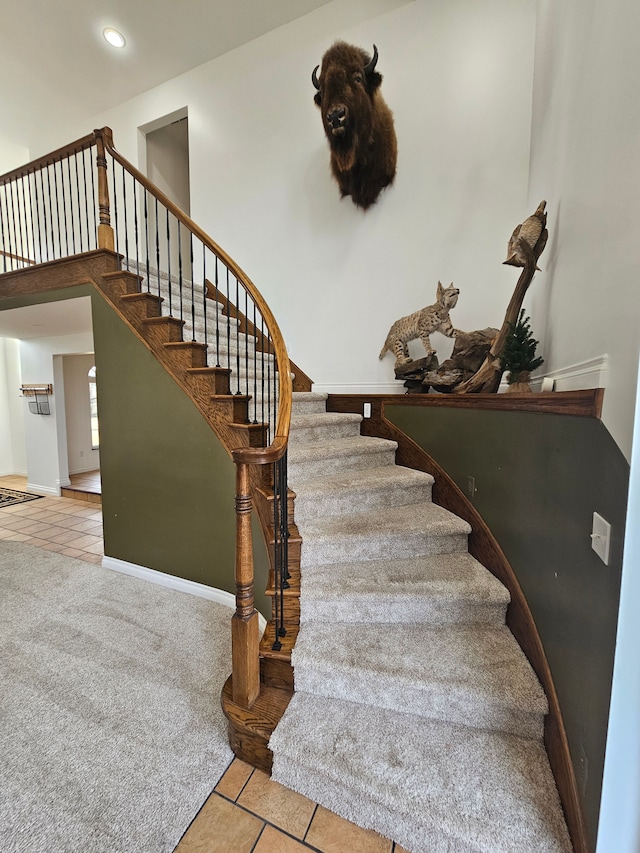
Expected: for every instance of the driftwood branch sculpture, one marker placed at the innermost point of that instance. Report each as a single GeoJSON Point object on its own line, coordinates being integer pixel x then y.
{"type": "Point", "coordinates": [525, 247]}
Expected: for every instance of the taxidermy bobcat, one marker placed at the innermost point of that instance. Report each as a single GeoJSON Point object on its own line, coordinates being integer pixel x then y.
{"type": "Point", "coordinates": [433, 318]}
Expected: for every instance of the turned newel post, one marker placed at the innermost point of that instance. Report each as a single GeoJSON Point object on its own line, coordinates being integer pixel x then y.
{"type": "Point", "coordinates": [105, 231]}
{"type": "Point", "coordinates": [244, 624]}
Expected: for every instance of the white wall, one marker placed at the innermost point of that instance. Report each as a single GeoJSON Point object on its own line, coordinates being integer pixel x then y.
{"type": "Point", "coordinates": [458, 77]}
{"type": "Point", "coordinates": [81, 456]}
{"type": "Point", "coordinates": [45, 435]}
{"type": "Point", "coordinates": [619, 828]}
{"type": "Point", "coordinates": [12, 155]}
{"type": "Point", "coordinates": [585, 128]}
{"type": "Point", "coordinates": [12, 444]}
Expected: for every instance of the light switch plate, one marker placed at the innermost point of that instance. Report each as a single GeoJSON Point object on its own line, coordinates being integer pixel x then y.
{"type": "Point", "coordinates": [601, 537]}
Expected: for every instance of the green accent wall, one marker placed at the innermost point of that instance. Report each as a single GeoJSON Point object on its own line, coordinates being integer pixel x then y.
{"type": "Point", "coordinates": [168, 484]}
{"type": "Point", "coordinates": [539, 479]}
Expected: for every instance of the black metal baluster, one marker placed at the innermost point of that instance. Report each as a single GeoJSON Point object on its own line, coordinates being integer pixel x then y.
{"type": "Point", "coordinates": [44, 219]}
{"type": "Point", "coordinates": [262, 366]}
{"type": "Point", "coordinates": [52, 253]}
{"type": "Point", "coordinates": [126, 218]}
{"type": "Point", "coordinates": [217, 304]}
{"type": "Point", "coordinates": [193, 294]}
{"type": "Point", "coordinates": [135, 226]}
{"type": "Point", "coordinates": [168, 265]}
{"type": "Point", "coordinates": [30, 184]}
{"type": "Point", "coordinates": [2, 231]}
{"type": "Point", "coordinates": [94, 204]}
{"type": "Point", "coordinates": [158, 257]}
{"type": "Point", "coordinates": [180, 278]}
{"type": "Point", "coordinates": [55, 184]}
{"type": "Point", "coordinates": [114, 203]}
{"type": "Point", "coordinates": [82, 246]}
{"type": "Point", "coordinates": [255, 367]}
{"type": "Point", "coordinates": [269, 390]}
{"type": "Point", "coordinates": [68, 224]}
{"type": "Point", "coordinates": [239, 391]}
{"type": "Point", "coordinates": [229, 330]}
{"type": "Point", "coordinates": [146, 238]}
{"type": "Point", "coordinates": [204, 301]}
{"type": "Point", "coordinates": [281, 535]}
{"type": "Point", "coordinates": [13, 244]}
{"type": "Point", "coordinates": [28, 253]}
{"type": "Point", "coordinates": [246, 347]}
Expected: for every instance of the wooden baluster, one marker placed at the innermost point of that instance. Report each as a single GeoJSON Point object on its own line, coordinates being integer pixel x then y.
{"type": "Point", "coordinates": [105, 231]}
{"type": "Point", "coordinates": [244, 624]}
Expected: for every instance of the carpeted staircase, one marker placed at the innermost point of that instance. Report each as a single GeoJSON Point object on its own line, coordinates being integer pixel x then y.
{"type": "Point", "coordinates": [415, 713]}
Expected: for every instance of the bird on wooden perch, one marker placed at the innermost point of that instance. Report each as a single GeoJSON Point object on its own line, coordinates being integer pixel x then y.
{"type": "Point", "coordinates": [529, 231]}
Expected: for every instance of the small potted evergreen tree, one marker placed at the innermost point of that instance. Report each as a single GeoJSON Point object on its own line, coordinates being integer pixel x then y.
{"type": "Point", "coordinates": [519, 355]}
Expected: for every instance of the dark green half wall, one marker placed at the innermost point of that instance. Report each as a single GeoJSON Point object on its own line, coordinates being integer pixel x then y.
{"type": "Point", "coordinates": [539, 479]}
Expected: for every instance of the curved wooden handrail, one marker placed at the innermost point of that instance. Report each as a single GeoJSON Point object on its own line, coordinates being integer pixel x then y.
{"type": "Point", "coordinates": [256, 455]}
{"type": "Point", "coordinates": [47, 159]}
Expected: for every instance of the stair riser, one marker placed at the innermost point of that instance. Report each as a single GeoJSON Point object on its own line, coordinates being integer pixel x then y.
{"type": "Point", "coordinates": [390, 609]}
{"type": "Point", "coordinates": [304, 435]}
{"type": "Point", "coordinates": [333, 549]}
{"type": "Point", "coordinates": [461, 707]}
{"type": "Point", "coordinates": [312, 468]}
{"type": "Point", "coordinates": [309, 407]}
{"type": "Point", "coordinates": [350, 502]}
{"type": "Point", "coordinates": [347, 802]}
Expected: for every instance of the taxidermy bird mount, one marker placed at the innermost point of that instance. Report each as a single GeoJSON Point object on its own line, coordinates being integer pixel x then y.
{"type": "Point", "coordinates": [530, 231]}
{"type": "Point", "coordinates": [525, 247]}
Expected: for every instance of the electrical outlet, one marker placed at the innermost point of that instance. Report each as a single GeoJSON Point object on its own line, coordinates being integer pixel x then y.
{"type": "Point", "coordinates": [471, 487]}
{"type": "Point", "coordinates": [601, 537]}
{"type": "Point", "coordinates": [366, 410]}
{"type": "Point", "coordinates": [582, 770]}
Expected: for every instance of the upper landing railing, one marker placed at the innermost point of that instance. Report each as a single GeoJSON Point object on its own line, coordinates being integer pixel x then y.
{"type": "Point", "coordinates": [86, 196]}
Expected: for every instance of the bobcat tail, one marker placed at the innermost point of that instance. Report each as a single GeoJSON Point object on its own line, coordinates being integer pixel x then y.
{"type": "Point", "coordinates": [383, 350]}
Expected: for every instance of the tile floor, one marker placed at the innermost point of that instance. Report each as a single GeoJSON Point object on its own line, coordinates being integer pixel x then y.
{"type": "Point", "coordinates": [250, 813]}
{"type": "Point", "coordinates": [68, 526]}
{"type": "Point", "coordinates": [247, 812]}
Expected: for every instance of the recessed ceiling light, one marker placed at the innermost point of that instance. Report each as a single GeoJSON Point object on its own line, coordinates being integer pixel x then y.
{"type": "Point", "coordinates": [114, 38]}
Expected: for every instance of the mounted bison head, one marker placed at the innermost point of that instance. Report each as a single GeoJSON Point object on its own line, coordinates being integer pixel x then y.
{"type": "Point", "coordinates": [357, 122]}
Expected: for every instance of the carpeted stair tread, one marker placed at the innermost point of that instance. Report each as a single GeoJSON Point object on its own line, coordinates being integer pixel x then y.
{"type": "Point", "coordinates": [438, 589]}
{"type": "Point", "coordinates": [320, 426]}
{"type": "Point", "coordinates": [311, 459]}
{"type": "Point", "coordinates": [392, 532]}
{"type": "Point", "coordinates": [432, 786]}
{"type": "Point", "coordinates": [354, 491]}
{"type": "Point", "coordinates": [307, 402]}
{"type": "Point", "coordinates": [474, 675]}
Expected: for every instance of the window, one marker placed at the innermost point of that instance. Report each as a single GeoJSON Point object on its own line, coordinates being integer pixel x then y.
{"type": "Point", "coordinates": [93, 409]}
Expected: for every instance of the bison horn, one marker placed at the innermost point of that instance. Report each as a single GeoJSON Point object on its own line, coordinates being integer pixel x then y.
{"type": "Point", "coordinates": [314, 77]}
{"type": "Point", "coordinates": [372, 64]}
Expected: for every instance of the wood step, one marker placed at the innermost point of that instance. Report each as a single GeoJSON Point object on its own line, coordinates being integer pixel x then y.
{"type": "Point", "coordinates": [141, 306]}
{"type": "Point", "coordinates": [288, 641]}
{"type": "Point", "coordinates": [250, 730]}
{"type": "Point", "coordinates": [121, 282]}
{"type": "Point", "coordinates": [206, 381]}
{"type": "Point", "coordinates": [186, 354]}
{"type": "Point", "coordinates": [161, 330]}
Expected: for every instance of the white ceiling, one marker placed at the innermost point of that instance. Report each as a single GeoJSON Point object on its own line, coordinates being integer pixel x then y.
{"type": "Point", "coordinates": [51, 319]}
{"type": "Point", "coordinates": [54, 60]}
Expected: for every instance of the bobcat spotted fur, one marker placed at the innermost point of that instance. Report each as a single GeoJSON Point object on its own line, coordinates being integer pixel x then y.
{"type": "Point", "coordinates": [420, 324]}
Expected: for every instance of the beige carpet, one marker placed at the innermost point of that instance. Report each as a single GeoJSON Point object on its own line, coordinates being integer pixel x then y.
{"type": "Point", "coordinates": [111, 733]}
{"type": "Point", "coordinates": [416, 713]}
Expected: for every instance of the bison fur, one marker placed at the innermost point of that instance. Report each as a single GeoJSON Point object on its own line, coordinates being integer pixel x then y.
{"type": "Point", "coordinates": [357, 122]}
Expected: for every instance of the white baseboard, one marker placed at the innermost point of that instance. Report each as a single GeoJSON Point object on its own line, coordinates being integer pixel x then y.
{"type": "Point", "coordinates": [591, 373]}
{"type": "Point", "coordinates": [47, 491]}
{"type": "Point", "coordinates": [361, 388]}
{"type": "Point", "coordinates": [221, 596]}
